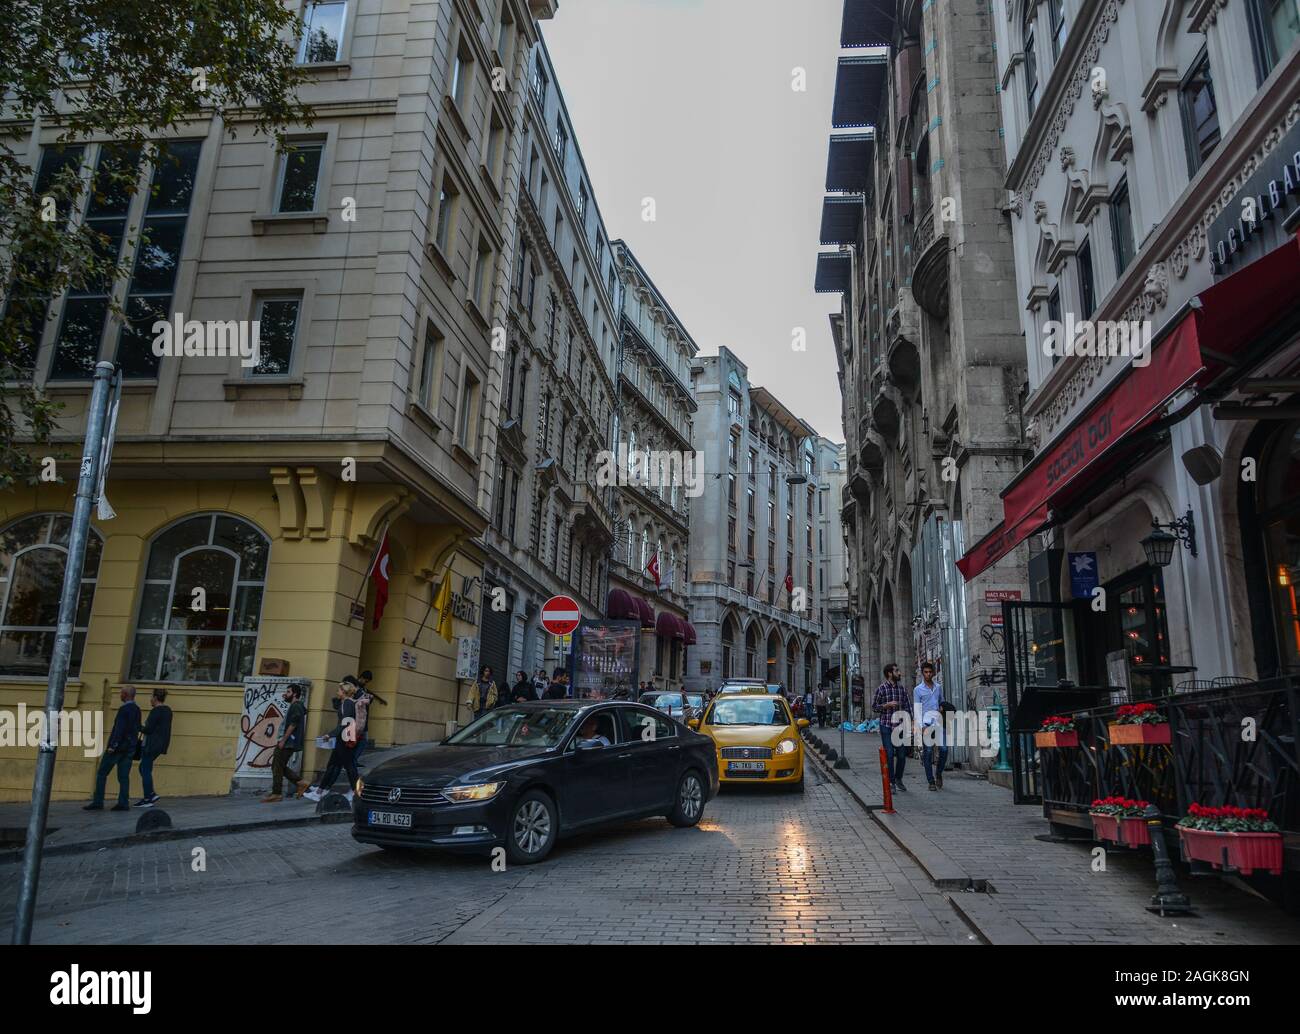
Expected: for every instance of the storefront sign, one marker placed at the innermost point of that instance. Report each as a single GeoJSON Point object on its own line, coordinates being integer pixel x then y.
{"type": "Point", "coordinates": [1255, 216]}
{"type": "Point", "coordinates": [466, 657]}
{"type": "Point", "coordinates": [1083, 575]}
{"type": "Point", "coordinates": [409, 659]}
{"type": "Point", "coordinates": [1001, 595]}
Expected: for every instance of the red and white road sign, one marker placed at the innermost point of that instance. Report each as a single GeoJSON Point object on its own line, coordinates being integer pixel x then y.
{"type": "Point", "coordinates": [560, 615]}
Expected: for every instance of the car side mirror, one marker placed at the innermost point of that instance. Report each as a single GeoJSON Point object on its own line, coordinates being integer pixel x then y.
{"type": "Point", "coordinates": [694, 723]}
{"type": "Point", "coordinates": [803, 723]}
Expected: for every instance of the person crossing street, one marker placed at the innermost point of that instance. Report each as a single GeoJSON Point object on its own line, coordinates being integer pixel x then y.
{"type": "Point", "coordinates": [892, 704]}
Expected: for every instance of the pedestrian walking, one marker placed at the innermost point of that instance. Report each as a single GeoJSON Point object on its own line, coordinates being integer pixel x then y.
{"type": "Point", "coordinates": [522, 691]}
{"type": "Point", "coordinates": [559, 687]}
{"type": "Point", "coordinates": [808, 701]}
{"type": "Point", "coordinates": [483, 694]}
{"type": "Point", "coordinates": [122, 742]}
{"type": "Point", "coordinates": [293, 731]}
{"type": "Point", "coordinates": [362, 699]}
{"type": "Point", "coordinates": [540, 682]}
{"type": "Point", "coordinates": [157, 738]}
{"type": "Point", "coordinates": [927, 705]}
{"type": "Point", "coordinates": [342, 758]}
{"type": "Point", "coordinates": [891, 703]}
{"type": "Point", "coordinates": [822, 702]}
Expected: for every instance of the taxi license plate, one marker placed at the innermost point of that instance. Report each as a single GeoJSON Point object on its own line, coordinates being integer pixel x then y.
{"type": "Point", "coordinates": [388, 818]}
{"type": "Point", "coordinates": [745, 766]}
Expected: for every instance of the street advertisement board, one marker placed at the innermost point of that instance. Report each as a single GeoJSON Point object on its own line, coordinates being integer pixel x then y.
{"type": "Point", "coordinates": [259, 727]}
{"type": "Point", "coordinates": [605, 659]}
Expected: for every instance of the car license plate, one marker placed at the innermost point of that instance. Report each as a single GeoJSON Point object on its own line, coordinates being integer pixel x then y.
{"type": "Point", "coordinates": [745, 766]}
{"type": "Point", "coordinates": [388, 818]}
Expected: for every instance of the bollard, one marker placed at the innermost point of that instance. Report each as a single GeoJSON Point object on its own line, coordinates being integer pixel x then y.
{"type": "Point", "coordinates": [1168, 900]}
{"type": "Point", "coordinates": [884, 779]}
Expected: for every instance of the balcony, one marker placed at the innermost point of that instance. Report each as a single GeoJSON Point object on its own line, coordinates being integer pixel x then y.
{"type": "Point", "coordinates": [887, 410]}
{"type": "Point", "coordinates": [871, 453]}
{"type": "Point", "coordinates": [592, 515]}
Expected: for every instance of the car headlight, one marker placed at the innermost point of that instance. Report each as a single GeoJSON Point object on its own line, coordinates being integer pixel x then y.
{"type": "Point", "coordinates": [361, 785]}
{"type": "Point", "coordinates": [477, 792]}
{"type": "Point", "coordinates": [787, 747]}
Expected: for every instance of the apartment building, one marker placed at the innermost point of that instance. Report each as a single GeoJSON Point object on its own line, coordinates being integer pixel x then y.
{"type": "Point", "coordinates": [375, 257]}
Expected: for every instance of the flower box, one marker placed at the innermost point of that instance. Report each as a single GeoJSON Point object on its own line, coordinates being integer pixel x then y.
{"type": "Point", "coordinates": [1050, 740]}
{"type": "Point", "coordinates": [1127, 832]}
{"type": "Point", "coordinates": [1143, 732]}
{"type": "Point", "coordinates": [1244, 852]}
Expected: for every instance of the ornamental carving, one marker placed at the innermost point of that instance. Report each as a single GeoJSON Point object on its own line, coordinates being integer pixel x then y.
{"type": "Point", "coordinates": [1067, 158]}
{"type": "Point", "coordinates": [1155, 289]}
{"type": "Point", "coordinates": [1209, 16]}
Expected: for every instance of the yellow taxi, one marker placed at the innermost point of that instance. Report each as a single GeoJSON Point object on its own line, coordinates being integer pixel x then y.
{"type": "Point", "coordinates": [756, 737]}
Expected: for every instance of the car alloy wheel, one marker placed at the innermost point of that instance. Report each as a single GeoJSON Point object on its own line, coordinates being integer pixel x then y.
{"type": "Point", "coordinates": [532, 826]}
{"type": "Point", "coordinates": [692, 796]}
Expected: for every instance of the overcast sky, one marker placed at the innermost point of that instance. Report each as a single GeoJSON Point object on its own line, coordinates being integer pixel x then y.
{"type": "Point", "coordinates": [690, 102]}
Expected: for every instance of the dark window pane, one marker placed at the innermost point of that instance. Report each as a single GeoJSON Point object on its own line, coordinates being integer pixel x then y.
{"type": "Point", "coordinates": [135, 338]}
{"type": "Point", "coordinates": [26, 653]}
{"type": "Point", "coordinates": [173, 179]}
{"type": "Point", "coordinates": [248, 542]}
{"type": "Point", "coordinates": [300, 173]}
{"type": "Point", "coordinates": [177, 539]}
{"type": "Point", "coordinates": [278, 322]}
{"type": "Point", "coordinates": [35, 585]}
{"type": "Point", "coordinates": [19, 535]}
{"type": "Point", "coordinates": [144, 657]}
{"type": "Point", "coordinates": [212, 572]}
{"type": "Point", "coordinates": [153, 604]}
{"type": "Point", "coordinates": [192, 658]}
{"type": "Point", "coordinates": [76, 349]}
{"type": "Point", "coordinates": [239, 658]}
{"type": "Point", "coordinates": [159, 256]}
{"type": "Point", "coordinates": [248, 607]}
{"type": "Point", "coordinates": [114, 183]}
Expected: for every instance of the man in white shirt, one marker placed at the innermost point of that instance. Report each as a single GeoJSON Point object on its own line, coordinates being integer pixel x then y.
{"type": "Point", "coordinates": [927, 699]}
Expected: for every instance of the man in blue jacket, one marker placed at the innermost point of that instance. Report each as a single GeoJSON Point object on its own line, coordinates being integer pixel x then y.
{"type": "Point", "coordinates": [121, 750]}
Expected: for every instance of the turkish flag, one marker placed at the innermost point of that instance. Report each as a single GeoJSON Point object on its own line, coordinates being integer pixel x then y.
{"type": "Point", "coordinates": [379, 572]}
{"type": "Point", "coordinates": [789, 581]}
{"type": "Point", "coordinates": [652, 567]}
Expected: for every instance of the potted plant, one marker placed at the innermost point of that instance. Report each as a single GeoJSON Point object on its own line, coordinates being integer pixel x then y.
{"type": "Point", "coordinates": [1231, 838]}
{"type": "Point", "coordinates": [1139, 723]}
{"type": "Point", "coordinates": [1056, 731]}
{"type": "Point", "coordinates": [1121, 821]}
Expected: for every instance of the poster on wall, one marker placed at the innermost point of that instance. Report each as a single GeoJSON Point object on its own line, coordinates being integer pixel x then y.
{"type": "Point", "coordinates": [259, 727]}
{"type": "Point", "coordinates": [605, 659]}
{"type": "Point", "coordinates": [466, 657]}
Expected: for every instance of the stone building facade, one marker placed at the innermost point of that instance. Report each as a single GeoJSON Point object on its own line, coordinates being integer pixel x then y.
{"type": "Point", "coordinates": [370, 412]}
{"type": "Point", "coordinates": [833, 613]}
{"type": "Point", "coordinates": [753, 549]}
{"type": "Point", "coordinates": [655, 414]}
{"type": "Point", "coordinates": [927, 335]}
{"type": "Point", "coordinates": [552, 525]}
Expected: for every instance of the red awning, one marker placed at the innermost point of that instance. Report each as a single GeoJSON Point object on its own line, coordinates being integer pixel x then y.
{"type": "Point", "coordinates": [645, 611]}
{"type": "Point", "coordinates": [620, 605]}
{"type": "Point", "coordinates": [1220, 325]}
{"type": "Point", "coordinates": [690, 633]}
{"type": "Point", "coordinates": [669, 626]}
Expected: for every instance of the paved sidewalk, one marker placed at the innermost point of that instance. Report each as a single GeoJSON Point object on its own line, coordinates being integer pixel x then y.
{"type": "Point", "coordinates": [70, 828]}
{"type": "Point", "coordinates": [974, 842]}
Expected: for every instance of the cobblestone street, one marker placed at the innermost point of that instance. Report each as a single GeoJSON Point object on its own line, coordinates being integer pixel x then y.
{"type": "Point", "coordinates": [761, 868]}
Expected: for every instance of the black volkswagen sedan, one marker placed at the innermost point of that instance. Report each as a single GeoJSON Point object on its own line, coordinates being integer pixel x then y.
{"type": "Point", "coordinates": [525, 774]}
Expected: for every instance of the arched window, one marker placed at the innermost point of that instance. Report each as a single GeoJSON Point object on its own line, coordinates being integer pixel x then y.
{"type": "Point", "coordinates": [791, 666]}
{"type": "Point", "coordinates": [33, 557]}
{"type": "Point", "coordinates": [645, 546]}
{"type": "Point", "coordinates": [728, 645]}
{"type": "Point", "coordinates": [751, 652]}
{"type": "Point", "coordinates": [202, 602]}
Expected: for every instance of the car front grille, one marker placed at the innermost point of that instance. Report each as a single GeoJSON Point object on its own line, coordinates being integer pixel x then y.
{"type": "Point", "coordinates": [746, 775]}
{"type": "Point", "coordinates": [747, 753]}
{"type": "Point", "coordinates": [411, 796]}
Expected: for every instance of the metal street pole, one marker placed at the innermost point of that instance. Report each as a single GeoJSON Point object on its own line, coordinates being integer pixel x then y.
{"type": "Point", "coordinates": [846, 686]}
{"type": "Point", "coordinates": [87, 486]}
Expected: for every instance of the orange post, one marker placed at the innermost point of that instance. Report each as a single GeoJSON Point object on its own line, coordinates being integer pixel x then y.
{"type": "Point", "coordinates": [884, 780]}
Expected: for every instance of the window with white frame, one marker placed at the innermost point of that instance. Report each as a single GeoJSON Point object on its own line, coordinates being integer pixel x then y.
{"type": "Point", "coordinates": [299, 176]}
{"type": "Point", "coordinates": [33, 557]}
{"type": "Point", "coordinates": [467, 412]}
{"type": "Point", "coordinates": [277, 317]}
{"type": "Point", "coordinates": [322, 31]}
{"type": "Point", "coordinates": [448, 201]}
{"type": "Point", "coordinates": [462, 73]}
{"type": "Point", "coordinates": [481, 282]}
{"type": "Point", "coordinates": [429, 354]}
{"type": "Point", "coordinates": [201, 602]}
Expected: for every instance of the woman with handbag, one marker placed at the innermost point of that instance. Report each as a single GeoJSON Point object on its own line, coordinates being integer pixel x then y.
{"type": "Point", "coordinates": [343, 757]}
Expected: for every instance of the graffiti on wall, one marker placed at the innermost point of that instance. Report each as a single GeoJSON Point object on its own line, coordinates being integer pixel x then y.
{"type": "Point", "coordinates": [259, 725]}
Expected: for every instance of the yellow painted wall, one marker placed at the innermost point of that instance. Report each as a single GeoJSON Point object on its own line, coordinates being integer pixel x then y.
{"type": "Point", "coordinates": [310, 585]}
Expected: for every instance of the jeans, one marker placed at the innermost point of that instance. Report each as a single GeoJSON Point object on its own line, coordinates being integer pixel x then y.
{"type": "Point", "coordinates": [895, 757]}
{"type": "Point", "coordinates": [361, 745]}
{"type": "Point", "coordinates": [925, 761]}
{"type": "Point", "coordinates": [121, 760]}
{"type": "Point", "coordinates": [146, 773]}
{"type": "Point", "coordinates": [821, 717]}
{"type": "Point", "coordinates": [343, 758]}
{"type": "Point", "coordinates": [280, 768]}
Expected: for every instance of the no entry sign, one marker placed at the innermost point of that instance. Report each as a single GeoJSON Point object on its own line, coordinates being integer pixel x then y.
{"type": "Point", "coordinates": [560, 615]}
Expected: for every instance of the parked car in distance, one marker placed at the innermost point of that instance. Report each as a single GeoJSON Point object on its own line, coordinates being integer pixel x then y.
{"type": "Point", "coordinates": [756, 737]}
{"type": "Point", "coordinates": [682, 706]}
{"type": "Point", "coordinates": [524, 775]}
{"type": "Point", "coordinates": [748, 686]}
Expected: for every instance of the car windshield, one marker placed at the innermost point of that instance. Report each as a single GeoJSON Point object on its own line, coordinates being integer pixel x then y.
{"type": "Point", "coordinates": [695, 699]}
{"type": "Point", "coordinates": [748, 710]}
{"type": "Point", "coordinates": [664, 700]}
{"type": "Point", "coordinates": [515, 727]}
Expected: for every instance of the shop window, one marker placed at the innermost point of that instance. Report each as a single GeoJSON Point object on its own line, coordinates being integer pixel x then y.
{"type": "Point", "coordinates": [1200, 113]}
{"type": "Point", "coordinates": [1280, 521]}
{"type": "Point", "coordinates": [33, 556]}
{"type": "Point", "coordinates": [1274, 27]}
{"type": "Point", "coordinates": [1138, 626]}
{"type": "Point", "coordinates": [187, 635]}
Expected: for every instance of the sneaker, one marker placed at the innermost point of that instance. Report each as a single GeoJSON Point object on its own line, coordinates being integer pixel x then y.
{"type": "Point", "coordinates": [120, 807]}
{"type": "Point", "coordinates": [92, 806]}
{"type": "Point", "coordinates": [154, 799]}
{"type": "Point", "coordinates": [143, 802]}
{"type": "Point", "coordinates": [900, 788]}
{"type": "Point", "coordinates": [933, 787]}
{"type": "Point", "coordinates": [313, 794]}
{"type": "Point", "coordinates": [271, 798]}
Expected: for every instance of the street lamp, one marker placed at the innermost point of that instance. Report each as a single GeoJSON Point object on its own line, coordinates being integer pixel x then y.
{"type": "Point", "coordinates": [1159, 545]}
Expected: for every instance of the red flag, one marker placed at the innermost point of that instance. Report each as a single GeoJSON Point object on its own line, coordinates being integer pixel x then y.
{"type": "Point", "coordinates": [789, 580]}
{"type": "Point", "coordinates": [652, 567]}
{"type": "Point", "coordinates": [379, 572]}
